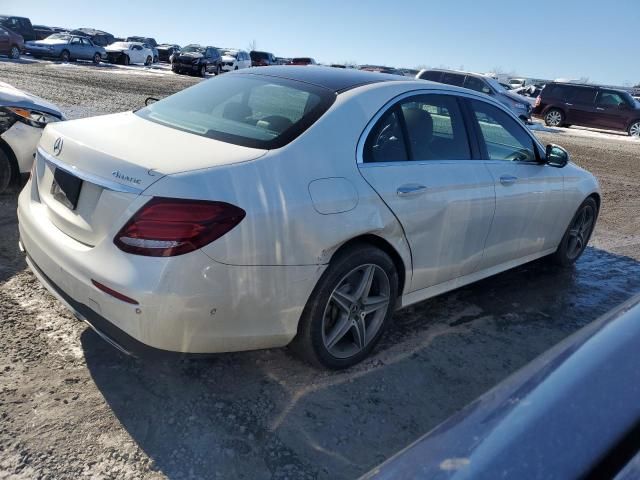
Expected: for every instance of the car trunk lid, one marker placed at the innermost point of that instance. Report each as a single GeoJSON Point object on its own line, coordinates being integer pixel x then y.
{"type": "Point", "coordinates": [90, 171]}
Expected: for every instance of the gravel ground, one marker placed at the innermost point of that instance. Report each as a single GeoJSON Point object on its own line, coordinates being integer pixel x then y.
{"type": "Point", "coordinates": [72, 406]}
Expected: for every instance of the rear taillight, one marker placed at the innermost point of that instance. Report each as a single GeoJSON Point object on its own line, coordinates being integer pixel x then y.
{"type": "Point", "coordinates": [165, 227]}
{"type": "Point", "coordinates": [537, 104]}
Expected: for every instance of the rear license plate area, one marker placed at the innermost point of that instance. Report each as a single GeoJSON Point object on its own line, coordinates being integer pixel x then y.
{"type": "Point", "coordinates": [66, 188]}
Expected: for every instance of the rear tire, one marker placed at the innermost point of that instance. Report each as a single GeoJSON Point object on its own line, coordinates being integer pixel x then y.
{"type": "Point", "coordinates": [126, 60]}
{"type": "Point", "coordinates": [148, 61]}
{"type": "Point", "coordinates": [634, 129]}
{"type": "Point", "coordinates": [14, 53]}
{"type": "Point", "coordinates": [65, 56]}
{"type": "Point", "coordinates": [554, 118]}
{"type": "Point", "coordinates": [218, 69]}
{"type": "Point", "coordinates": [577, 235]}
{"type": "Point", "coordinates": [6, 172]}
{"type": "Point", "coordinates": [349, 309]}
{"type": "Point", "coordinates": [97, 58]}
{"type": "Point", "coordinates": [203, 71]}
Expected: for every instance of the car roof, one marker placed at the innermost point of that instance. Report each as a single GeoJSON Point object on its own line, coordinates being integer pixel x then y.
{"type": "Point", "coordinates": [335, 79]}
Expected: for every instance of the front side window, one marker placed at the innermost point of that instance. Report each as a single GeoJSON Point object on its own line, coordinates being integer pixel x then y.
{"type": "Point", "coordinates": [608, 98]}
{"type": "Point", "coordinates": [503, 136]}
{"type": "Point", "coordinates": [250, 110]}
{"type": "Point", "coordinates": [431, 75]}
{"type": "Point", "coordinates": [476, 84]}
{"type": "Point", "coordinates": [75, 41]}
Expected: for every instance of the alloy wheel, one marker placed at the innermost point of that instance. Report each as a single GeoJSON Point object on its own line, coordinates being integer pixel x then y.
{"type": "Point", "coordinates": [580, 231]}
{"type": "Point", "coordinates": [15, 53]}
{"type": "Point", "coordinates": [634, 130]}
{"type": "Point", "coordinates": [554, 118]}
{"type": "Point", "coordinates": [356, 310]}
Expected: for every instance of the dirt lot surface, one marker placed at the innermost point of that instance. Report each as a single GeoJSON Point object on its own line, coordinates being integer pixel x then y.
{"type": "Point", "coordinates": [72, 406]}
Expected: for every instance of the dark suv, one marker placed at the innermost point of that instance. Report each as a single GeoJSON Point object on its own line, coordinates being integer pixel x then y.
{"type": "Point", "coordinates": [20, 25]}
{"type": "Point", "coordinates": [196, 59]}
{"type": "Point", "coordinates": [563, 105]}
{"type": "Point", "coordinates": [262, 59]}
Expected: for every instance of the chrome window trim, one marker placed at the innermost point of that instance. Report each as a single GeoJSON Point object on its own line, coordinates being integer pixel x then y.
{"type": "Point", "coordinates": [434, 91]}
{"type": "Point", "coordinates": [88, 177]}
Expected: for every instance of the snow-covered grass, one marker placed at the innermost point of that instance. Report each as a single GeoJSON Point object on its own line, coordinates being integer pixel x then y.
{"type": "Point", "coordinates": [576, 131]}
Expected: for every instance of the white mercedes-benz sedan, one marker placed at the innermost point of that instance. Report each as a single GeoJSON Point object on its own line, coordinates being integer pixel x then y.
{"type": "Point", "coordinates": [291, 206]}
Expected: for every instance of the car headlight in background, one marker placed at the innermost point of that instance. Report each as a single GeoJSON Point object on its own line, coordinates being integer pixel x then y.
{"type": "Point", "coordinates": [33, 118]}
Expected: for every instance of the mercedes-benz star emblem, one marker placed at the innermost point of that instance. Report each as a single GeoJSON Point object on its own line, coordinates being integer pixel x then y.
{"type": "Point", "coordinates": [57, 146]}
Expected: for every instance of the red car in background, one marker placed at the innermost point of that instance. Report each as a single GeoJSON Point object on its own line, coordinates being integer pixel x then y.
{"type": "Point", "coordinates": [11, 43]}
{"type": "Point", "coordinates": [303, 61]}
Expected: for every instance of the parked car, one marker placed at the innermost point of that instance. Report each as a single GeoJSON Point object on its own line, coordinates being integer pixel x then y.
{"type": "Point", "coordinates": [482, 84]}
{"type": "Point", "coordinates": [11, 43]}
{"type": "Point", "coordinates": [233, 59]}
{"type": "Point", "coordinates": [22, 119]}
{"type": "Point", "coordinates": [553, 419]}
{"type": "Point", "coordinates": [166, 50]}
{"type": "Point", "coordinates": [262, 59]}
{"type": "Point", "coordinates": [381, 69]}
{"type": "Point", "coordinates": [518, 82]}
{"type": "Point", "coordinates": [231, 215]}
{"type": "Point", "coordinates": [528, 93]}
{"type": "Point", "coordinates": [129, 52]}
{"type": "Point", "coordinates": [42, 31]}
{"type": "Point", "coordinates": [20, 25]}
{"type": "Point", "coordinates": [98, 37]}
{"type": "Point", "coordinates": [303, 61]}
{"type": "Point", "coordinates": [149, 43]}
{"type": "Point", "coordinates": [197, 59]}
{"type": "Point", "coordinates": [562, 104]}
{"type": "Point", "coordinates": [67, 48]}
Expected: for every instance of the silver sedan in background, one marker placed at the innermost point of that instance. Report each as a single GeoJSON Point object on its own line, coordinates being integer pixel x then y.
{"type": "Point", "coordinates": [67, 48]}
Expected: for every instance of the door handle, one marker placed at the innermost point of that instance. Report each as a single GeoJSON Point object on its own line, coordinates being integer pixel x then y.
{"type": "Point", "coordinates": [410, 190]}
{"type": "Point", "coordinates": [599, 108]}
{"type": "Point", "coordinates": [508, 179]}
{"type": "Point", "coordinates": [569, 104]}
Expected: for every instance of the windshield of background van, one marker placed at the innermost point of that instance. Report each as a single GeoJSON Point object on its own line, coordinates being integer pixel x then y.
{"type": "Point", "coordinates": [249, 110]}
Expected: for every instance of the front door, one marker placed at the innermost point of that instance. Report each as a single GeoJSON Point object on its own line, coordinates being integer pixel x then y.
{"type": "Point", "coordinates": [611, 108]}
{"type": "Point", "coordinates": [4, 40]}
{"type": "Point", "coordinates": [529, 193]}
{"type": "Point", "coordinates": [418, 159]}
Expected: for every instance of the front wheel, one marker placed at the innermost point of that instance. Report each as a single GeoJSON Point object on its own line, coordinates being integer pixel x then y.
{"type": "Point", "coordinates": [148, 62]}
{"type": "Point", "coordinates": [349, 308]}
{"type": "Point", "coordinates": [6, 172]}
{"type": "Point", "coordinates": [203, 71]}
{"type": "Point", "coordinates": [634, 129]}
{"type": "Point", "coordinates": [578, 234]}
{"type": "Point", "coordinates": [14, 53]}
{"type": "Point", "coordinates": [554, 118]}
{"type": "Point", "coordinates": [65, 56]}
{"type": "Point", "coordinates": [218, 69]}
{"type": "Point", "coordinates": [126, 60]}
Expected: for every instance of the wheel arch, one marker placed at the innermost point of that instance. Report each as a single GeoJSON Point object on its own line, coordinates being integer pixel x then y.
{"type": "Point", "coordinates": [597, 198]}
{"type": "Point", "coordinates": [385, 246]}
{"type": "Point", "coordinates": [632, 122]}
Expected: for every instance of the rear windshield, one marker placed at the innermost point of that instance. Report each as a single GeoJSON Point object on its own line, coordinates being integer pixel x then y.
{"type": "Point", "coordinates": [250, 110]}
{"type": "Point", "coordinates": [259, 55]}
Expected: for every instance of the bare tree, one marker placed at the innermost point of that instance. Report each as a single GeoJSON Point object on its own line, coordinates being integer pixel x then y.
{"type": "Point", "coordinates": [253, 45]}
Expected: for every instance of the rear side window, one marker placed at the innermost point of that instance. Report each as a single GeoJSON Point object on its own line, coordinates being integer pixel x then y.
{"type": "Point", "coordinates": [503, 136]}
{"type": "Point", "coordinates": [476, 84]}
{"type": "Point", "coordinates": [583, 95]}
{"type": "Point", "coordinates": [435, 128]}
{"type": "Point", "coordinates": [431, 75]}
{"type": "Point", "coordinates": [249, 110]}
{"type": "Point", "coordinates": [557, 91]}
{"type": "Point", "coordinates": [386, 140]}
{"type": "Point", "coordinates": [609, 98]}
{"type": "Point", "coordinates": [424, 127]}
{"type": "Point", "coordinates": [453, 79]}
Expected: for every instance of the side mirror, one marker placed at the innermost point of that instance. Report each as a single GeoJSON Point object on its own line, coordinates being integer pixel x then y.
{"type": "Point", "coordinates": [150, 100]}
{"type": "Point", "coordinates": [556, 156]}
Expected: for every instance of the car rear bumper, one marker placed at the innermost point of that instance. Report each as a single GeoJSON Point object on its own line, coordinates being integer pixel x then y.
{"type": "Point", "coordinates": [186, 304]}
{"type": "Point", "coordinates": [185, 67]}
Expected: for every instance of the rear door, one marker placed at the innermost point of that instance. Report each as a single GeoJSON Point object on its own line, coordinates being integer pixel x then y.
{"type": "Point", "coordinates": [580, 105]}
{"type": "Point", "coordinates": [75, 47]}
{"type": "Point", "coordinates": [610, 110]}
{"type": "Point", "coordinates": [4, 40]}
{"type": "Point", "coordinates": [419, 158]}
{"type": "Point", "coordinates": [87, 49]}
{"type": "Point", "coordinates": [529, 194]}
